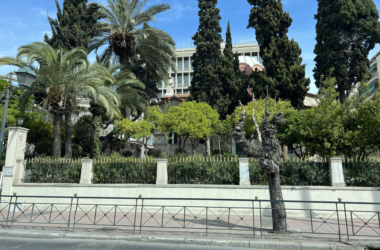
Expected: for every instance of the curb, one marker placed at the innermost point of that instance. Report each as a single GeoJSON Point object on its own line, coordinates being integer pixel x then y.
{"type": "Point", "coordinates": [260, 244]}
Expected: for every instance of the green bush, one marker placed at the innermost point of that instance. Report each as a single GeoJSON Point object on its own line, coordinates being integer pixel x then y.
{"type": "Point", "coordinates": [53, 170]}
{"type": "Point", "coordinates": [200, 170]}
{"type": "Point", "coordinates": [125, 170]}
{"type": "Point", "coordinates": [362, 174]}
{"type": "Point", "coordinates": [154, 152]}
{"type": "Point", "coordinates": [294, 173]}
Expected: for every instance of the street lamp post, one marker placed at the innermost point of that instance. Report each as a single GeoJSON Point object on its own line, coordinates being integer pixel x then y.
{"type": "Point", "coordinates": [25, 78]}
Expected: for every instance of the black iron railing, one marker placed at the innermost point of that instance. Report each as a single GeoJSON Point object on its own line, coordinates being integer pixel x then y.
{"type": "Point", "coordinates": [317, 220]}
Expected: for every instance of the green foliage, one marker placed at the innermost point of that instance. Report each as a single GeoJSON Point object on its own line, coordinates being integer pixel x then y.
{"type": "Point", "coordinates": [53, 170]}
{"type": "Point", "coordinates": [133, 41]}
{"type": "Point", "coordinates": [320, 129]}
{"type": "Point", "coordinates": [346, 32]}
{"type": "Point", "coordinates": [82, 133]}
{"type": "Point", "coordinates": [75, 25]}
{"type": "Point", "coordinates": [191, 120]}
{"type": "Point", "coordinates": [259, 106]}
{"type": "Point", "coordinates": [213, 80]}
{"type": "Point", "coordinates": [362, 174]}
{"type": "Point", "coordinates": [39, 130]}
{"type": "Point", "coordinates": [125, 171]}
{"type": "Point", "coordinates": [199, 170]}
{"type": "Point", "coordinates": [283, 73]}
{"type": "Point", "coordinates": [294, 173]}
{"type": "Point", "coordinates": [138, 129]}
{"type": "Point", "coordinates": [154, 153]}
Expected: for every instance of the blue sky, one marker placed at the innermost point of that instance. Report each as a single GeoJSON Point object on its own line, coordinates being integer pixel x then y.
{"type": "Point", "coordinates": [25, 21]}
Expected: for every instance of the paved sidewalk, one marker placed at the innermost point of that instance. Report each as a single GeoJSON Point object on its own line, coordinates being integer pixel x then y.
{"type": "Point", "coordinates": [282, 244]}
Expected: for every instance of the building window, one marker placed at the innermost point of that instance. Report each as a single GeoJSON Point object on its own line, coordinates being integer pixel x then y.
{"type": "Point", "coordinates": [248, 54]}
{"type": "Point", "coordinates": [191, 65]}
{"type": "Point", "coordinates": [191, 78]}
{"type": "Point", "coordinates": [179, 80]}
{"type": "Point", "coordinates": [187, 64]}
{"type": "Point", "coordinates": [173, 138]}
{"type": "Point", "coordinates": [159, 95]}
{"type": "Point", "coordinates": [174, 77]}
{"type": "Point", "coordinates": [179, 91]}
{"type": "Point", "coordinates": [186, 80]}
{"type": "Point", "coordinates": [254, 56]}
{"type": "Point", "coordinates": [186, 91]}
{"type": "Point", "coordinates": [179, 64]}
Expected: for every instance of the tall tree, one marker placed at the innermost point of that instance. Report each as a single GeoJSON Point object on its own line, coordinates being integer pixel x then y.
{"type": "Point", "coordinates": [283, 72]}
{"type": "Point", "coordinates": [208, 62]}
{"type": "Point", "coordinates": [233, 80]}
{"type": "Point", "coordinates": [133, 43]}
{"type": "Point", "coordinates": [346, 32]}
{"type": "Point", "coordinates": [75, 25]}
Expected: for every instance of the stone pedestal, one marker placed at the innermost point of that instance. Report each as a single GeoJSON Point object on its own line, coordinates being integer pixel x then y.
{"type": "Point", "coordinates": [86, 173]}
{"type": "Point", "coordinates": [244, 172]}
{"type": "Point", "coordinates": [336, 172]}
{"type": "Point", "coordinates": [14, 168]}
{"type": "Point", "coordinates": [162, 172]}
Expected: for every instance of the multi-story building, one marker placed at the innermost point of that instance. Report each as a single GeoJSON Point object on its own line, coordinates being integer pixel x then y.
{"type": "Point", "coordinates": [373, 71]}
{"type": "Point", "coordinates": [248, 54]}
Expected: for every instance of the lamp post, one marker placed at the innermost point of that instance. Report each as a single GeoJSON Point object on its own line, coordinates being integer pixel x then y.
{"type": "Point", "coordinates": [25, 78]}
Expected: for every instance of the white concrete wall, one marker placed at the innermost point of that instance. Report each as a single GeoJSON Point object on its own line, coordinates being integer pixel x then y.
{"type": "Point", "coordinates": [348, 194]}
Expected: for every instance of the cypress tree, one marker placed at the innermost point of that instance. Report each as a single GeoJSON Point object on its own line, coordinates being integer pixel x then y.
{"type": "Point", "coordinates": [346, 32]}
{"type": "Point", "coordinates": [75, 25]}
{"type": "Point", "coordinates": [283, 71]}
{"type": "Point", "coordinates": [232, 80]}
{"type": "Point", "coordinates": [211, 81]}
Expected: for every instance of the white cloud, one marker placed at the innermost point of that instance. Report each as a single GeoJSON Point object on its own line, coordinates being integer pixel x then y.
{"type": "Point", "coordinates": [176, 12]}
{"type": "Point", "coordinates": [285, 2]}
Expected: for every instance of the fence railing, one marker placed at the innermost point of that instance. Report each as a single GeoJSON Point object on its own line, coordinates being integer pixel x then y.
{"type": "Point", "coordinates": [46, 170]}
{"type": "Point", "coordinates": [200, 170]}
{"type": "Point", "coordinates": [248, 218]}
{"type": "Point", "coordinates": [362, 173]}
{"type": "Point", "coordinates": [125, 171]}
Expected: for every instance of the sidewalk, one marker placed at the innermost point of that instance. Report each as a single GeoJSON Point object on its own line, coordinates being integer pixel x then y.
{"type": "Point", "coordinates": [50, 233]}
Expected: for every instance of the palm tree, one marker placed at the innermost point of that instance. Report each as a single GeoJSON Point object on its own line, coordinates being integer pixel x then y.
{"type": "Point", "coordinates": [62, 76]}
{"type": "Point", "coordinates": [129, 89]}
{"type": "Point", "coordinates": [131, 41]}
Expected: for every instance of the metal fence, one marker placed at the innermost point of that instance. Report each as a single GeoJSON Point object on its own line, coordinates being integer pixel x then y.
{"type": "Point", "coordinates": [362, 173]}
{"type": "Point", "coordinates": [294, 172]}
{"type": "Point", "coordinates": [47, 170]}
{"type": "Point", "coordinates": [125, 171]}
{"type": "Point", "coordinates": [246, 218]}
{"type": "Point", "coordinates": [200, 170]}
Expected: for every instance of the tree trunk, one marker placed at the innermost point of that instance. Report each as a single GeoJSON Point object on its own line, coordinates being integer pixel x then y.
{"type": "Point", "coordinates": [342, 95]}
{"type": "Point", "coordinates": [208, 147]}
{"type": "Point", "coordinates": [57, 130]}
{"type": "Point", "coordinates": [95, 150]}
{"type": "Point", "coordinates": [278, 208]}
{"type": "Point", "coordinates": [270, 154]}
{"type": "Point", "coordinates": [68, 145]}
{"type": "Point", "coordinates": [127, 150]}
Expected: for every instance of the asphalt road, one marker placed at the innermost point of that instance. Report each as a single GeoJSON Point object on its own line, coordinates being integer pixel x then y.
{"type": "Point", "coordinates": [63, 244]}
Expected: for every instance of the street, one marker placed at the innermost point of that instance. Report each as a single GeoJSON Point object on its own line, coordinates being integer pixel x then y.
{"type": "Point", "coordinates": [63, 244]}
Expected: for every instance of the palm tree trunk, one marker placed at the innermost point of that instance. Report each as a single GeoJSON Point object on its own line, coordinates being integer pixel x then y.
{"type": "Point", "coordinates": [68, 145]}
{"type": "Point", "coordinates": [57, 130]}
{"type": "Point", "coordinates": [95, 150]}
{"type": "Point", "coordinates": [127, 150]}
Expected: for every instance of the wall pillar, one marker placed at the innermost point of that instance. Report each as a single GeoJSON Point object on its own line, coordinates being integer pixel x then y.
{"type": "Point", "coordinates": [336, 172]}
{"type": "Point", "coordinates": [14, 167]}
{"type": "Point", "coordinates": [86, 173]}
{"type": "Point", "coordinates": [244, 172]}
{"type": "Point", "coordinates": [162, 172]}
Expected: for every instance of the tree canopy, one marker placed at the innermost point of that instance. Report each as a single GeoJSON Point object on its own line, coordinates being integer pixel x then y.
{"type": "Point", "coordinates": [346, 32]}
{"type": "Point", "coordinates": [76, 24]}
{"type": "Point", "coordinates": [283, 73]}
